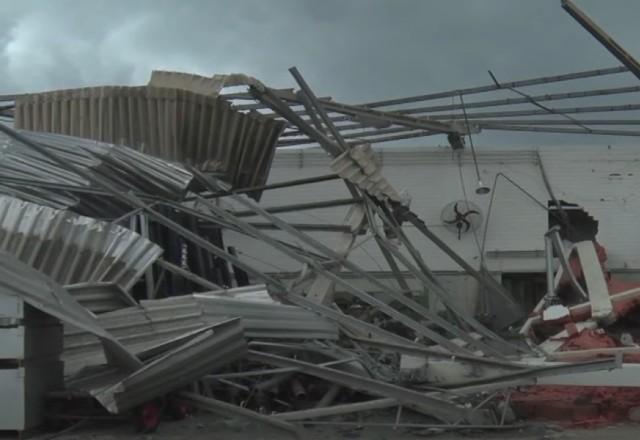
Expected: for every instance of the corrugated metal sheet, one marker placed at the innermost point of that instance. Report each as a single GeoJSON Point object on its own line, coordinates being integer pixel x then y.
{"type": "Point", "coordinates": [398, 156]}
{"type": "Point", "coordinates": [170, 123]}
{"type": "Point", "coordinates": [41, 292]}
{"type": "Point", "coordinates": [261, 320]}
{"type": "Point", "coordinates": [100, 297]}
{"type": "Point", "coordinates": [270, 321]}
{"type": "Point", "coordinates": [127, 168]}
{"type": "Point", "coordinates": [204, 353]}
{"type": "Point", "coordinates": [154, 321]}
{"type": "Point", "coordinates": [137, 328]}
{"type": "Point", "coordinates": [73, 249]}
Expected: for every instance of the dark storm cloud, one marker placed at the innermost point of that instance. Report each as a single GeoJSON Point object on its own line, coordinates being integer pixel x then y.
{"type": "Point", "coordinates": [353, 50]}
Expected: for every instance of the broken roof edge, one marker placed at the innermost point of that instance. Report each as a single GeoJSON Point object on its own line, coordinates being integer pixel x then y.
{"type": "Point", "coordinates": [204, 85]}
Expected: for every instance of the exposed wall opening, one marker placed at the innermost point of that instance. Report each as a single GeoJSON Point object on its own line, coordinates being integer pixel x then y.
{"type": "Point", "coordinates": [582, 226]}
{"type": "Point", "coordinates": [526, 288]}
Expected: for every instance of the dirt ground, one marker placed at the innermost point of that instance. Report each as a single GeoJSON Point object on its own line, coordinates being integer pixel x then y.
{"type": "Point", "coordinates": [206, 426]}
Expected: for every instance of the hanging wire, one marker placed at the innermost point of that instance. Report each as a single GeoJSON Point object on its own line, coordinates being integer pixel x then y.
{"type": "Point", "coordinates": [473, 150]}
{"type": "Point", "coordinates": [537, 104]}
{"type": "Point", "coordinates": [524, 191]}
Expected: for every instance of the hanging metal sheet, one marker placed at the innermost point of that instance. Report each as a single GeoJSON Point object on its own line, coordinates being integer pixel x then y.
{"type": "Point", "coordinates": [169, 123]}
{"type": "Point", "coordinates": [73, 249]}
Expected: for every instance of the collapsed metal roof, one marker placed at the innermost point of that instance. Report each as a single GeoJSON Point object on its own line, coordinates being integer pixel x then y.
{"type": "Point", "coordinates": [173, 124]}
{"type": "Point", "coordinates": [169, 342]}
{"type": "Point", "coordinates": [207, 351]}
{"type": "Point", "coordinates": [30, 176]}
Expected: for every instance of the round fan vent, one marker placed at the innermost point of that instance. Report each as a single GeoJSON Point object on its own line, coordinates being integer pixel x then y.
{"type": "Point", "coordinates": [461, 216]}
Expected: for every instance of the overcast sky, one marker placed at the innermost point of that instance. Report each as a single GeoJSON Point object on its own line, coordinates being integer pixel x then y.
{"type": "Point", "coordinates": [353, 50]}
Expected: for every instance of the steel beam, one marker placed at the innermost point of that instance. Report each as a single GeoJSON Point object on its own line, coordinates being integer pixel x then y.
{"type": "Point", "coordinates": [486, 281]}
{"type": "Point", "coordinates": [188, 275]}
{"type": "Point", "coordinates": [556, 110]}
{"type": "Point", "coordinates": [308, 93]}
{"type": "Point", "coordinates": [480, 104]}
{"type": "Point", "coordinates": [599, 34]}
{"type": "Point", "coordinates": [267, 97]}
{"type": "Point", "coordinates": [277, 185]}
{"type": "Point", "coordinates": [364, 296]}
{"type": "Point", "coordinates": [534, 129]}
{"type": "Point", "coordinates": [481, 89]}
{"type": "Point", "coordinates": [536, 373]}
{"type": "Point", "coordinates": [389, 117]}
{"type": "Point", "coordinates": [359, 293]}
{"type": "Point", "coordinates": [322, 289]}
{"type": "Point", "coordinates": [227, 409]}
{"type": "Point", "coordinates": [467, 319]}
{"type": "Point", "coordinates": [135, 202]}
{"type": "Point", "coordinates": [440, 408]}
{"type": "Point", "coordinates": [318, 227]}
{"type": "Point", "coordinates": [300, 207]}
{"type": "Point", "coordinates": [427, 353]}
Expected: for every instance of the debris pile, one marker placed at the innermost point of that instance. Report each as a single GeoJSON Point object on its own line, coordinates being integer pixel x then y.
{"type": "Point", "coordinates": [119, 235]}
{"type": "Point", "coordinates": [587, 314]}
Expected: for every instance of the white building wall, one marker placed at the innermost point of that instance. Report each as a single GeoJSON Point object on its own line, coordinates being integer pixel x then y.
{"type": "Point", "coordinates": [605, 182]}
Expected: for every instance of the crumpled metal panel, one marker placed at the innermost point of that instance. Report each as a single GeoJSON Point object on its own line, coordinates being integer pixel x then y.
{"type": "Point", "coordinates": [138, 328]}
{"type": "Point", "coordinates": [254, 293]}
{"type": "Point", "coordinates": [41, 292]}
{"type": "Point", "coordinates": [361, 166]}
{"type": "Point", "coordinates": [206, 352]}
{"type": "Point", "coordinates": [169, 123]}
{"type": "Point", "coordinates": [73, 249]}
{"type": "Point", "coordinates": [128, 169]}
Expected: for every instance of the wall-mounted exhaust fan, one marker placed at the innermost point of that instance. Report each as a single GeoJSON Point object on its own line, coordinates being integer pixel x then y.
{"type": "Point", "coordinates": [461, 216]}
